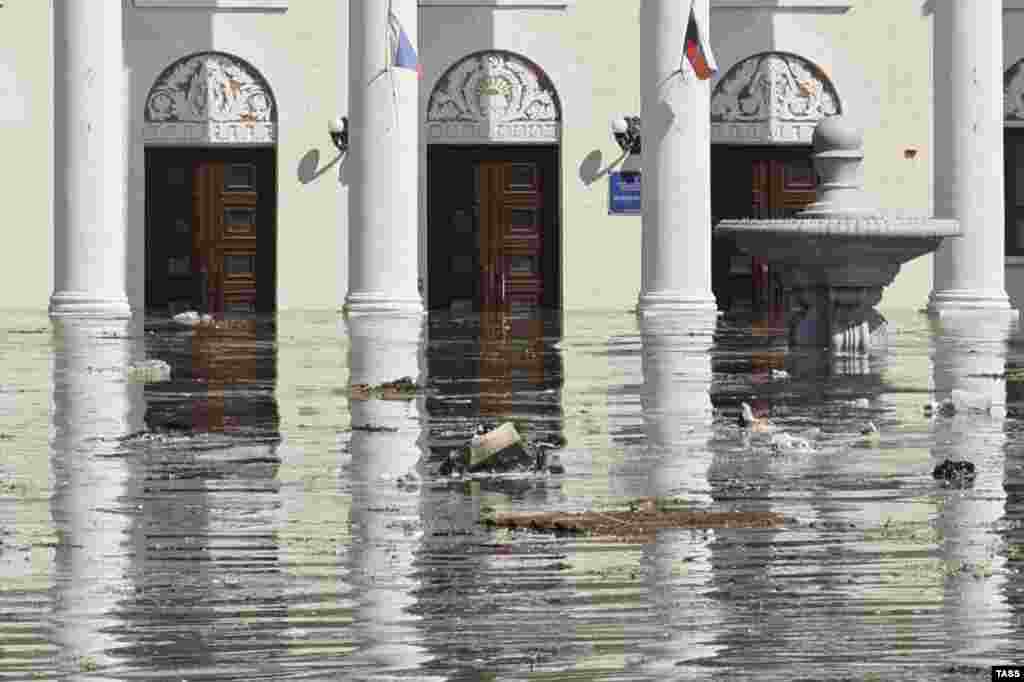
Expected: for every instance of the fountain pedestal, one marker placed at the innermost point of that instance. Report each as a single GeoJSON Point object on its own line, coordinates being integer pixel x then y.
{"type": "Point", "coordinates": [836, 256]}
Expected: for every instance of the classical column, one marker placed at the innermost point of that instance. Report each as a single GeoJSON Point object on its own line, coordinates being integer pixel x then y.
{"type": "Point", "coordinates": [968, 69]}
{"type": "Point", "coordinates": [383, 160]}
{"type": "Point", "coordinates": [89, 160]}
{"type": "Point", "coordinates": [676, 200]}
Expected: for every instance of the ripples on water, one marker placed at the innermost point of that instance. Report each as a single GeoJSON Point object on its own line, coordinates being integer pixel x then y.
{"type": "Point", "coordinates": [261, 537]}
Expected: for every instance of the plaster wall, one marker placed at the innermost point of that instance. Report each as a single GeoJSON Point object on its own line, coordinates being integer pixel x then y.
{"type": "Point", "coordinates": [303, 54]}
{"type": "Point", "coordinates": [26, 138]}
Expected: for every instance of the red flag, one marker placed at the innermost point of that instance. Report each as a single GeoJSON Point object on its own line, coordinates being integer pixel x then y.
{"type": "Point", "coordinates": [697, 50]}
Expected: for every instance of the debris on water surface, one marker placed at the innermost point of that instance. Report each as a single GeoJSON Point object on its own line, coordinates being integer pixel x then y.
{"type": "Point", "coordinates": [779, 374]}
{"type": "Point", "coordinates": [643, 520]}
{"type": "Point", "coordinates": [870, 433]}
{"type": "Point", "coordinates": [399, 389]}
{"type": "Point", "coordinates": [946, 408]}
{"type": "Point", "coordinates": [149, 371]}
{"type": "Point", "coordinates": [503, 450]}
{"type": "Point", "coordinates": [952, 471]}
{"type": "Point", "coordinates": [749, 420]}
{"type": "Point", "coordinates": [785, 442]}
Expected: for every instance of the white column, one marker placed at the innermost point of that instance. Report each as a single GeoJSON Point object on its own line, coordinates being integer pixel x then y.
{"type": "Point", "coordinates": [676, 201]}
{"type": "Point", "coordinates": [383, 160]}
{"type": "Point", "coordinates": [968, 105]}
{"type": "Point", "coordinates": [89, 160]}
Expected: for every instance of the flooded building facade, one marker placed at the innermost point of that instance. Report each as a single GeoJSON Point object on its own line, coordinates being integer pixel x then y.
{"type": "Point", "coordinates": [233, 196]}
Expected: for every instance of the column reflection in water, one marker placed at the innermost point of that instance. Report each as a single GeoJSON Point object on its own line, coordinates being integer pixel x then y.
{"type": "Point", "coordinates": [969, 354]}
{"type": "Point", "coordinates": [93, 405]}
{"type": "Point", "coordinates": [385, 448]}
{"type": "Point", "coordinates": [678, 419]}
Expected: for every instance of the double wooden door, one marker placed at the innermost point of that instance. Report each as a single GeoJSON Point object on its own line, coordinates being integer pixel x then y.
{"type": "Point", "coordinates": [768, 182]}
{"type": "Point", "coordinates": [493, 228]}
{"type": "Point", "coordinates": [210, 236]}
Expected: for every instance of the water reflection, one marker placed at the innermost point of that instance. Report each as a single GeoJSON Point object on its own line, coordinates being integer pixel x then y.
{"type": "Point", "coordinates": [678, 417]}
{"type": "Point", "coordinates": [204, 548]}
{"type": "Point", "coordinates": [970, 356]}
{"type": "Point", "coordinates": [385, 480]}
{"type": "Point", "coordinates": [93, 405]}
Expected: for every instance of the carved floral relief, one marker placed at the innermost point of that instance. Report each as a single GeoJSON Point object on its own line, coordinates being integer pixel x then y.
{"type": "Point", "coordinates": [493, 88]}
{"type": "Point", "coordinates": [774, 87]}
{"type": "Point", "coordinates": [209, 87]}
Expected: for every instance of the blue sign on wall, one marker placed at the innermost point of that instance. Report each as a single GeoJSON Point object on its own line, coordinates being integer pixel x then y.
{"type": "Point", "coordinates": [624, 194]}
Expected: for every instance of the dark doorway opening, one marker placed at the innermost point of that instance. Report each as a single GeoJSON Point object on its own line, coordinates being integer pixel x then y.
{"type": "Point", "coordinates": [754, 182]}
{"type": "Point", "coordinates": [211, 230]}
{"type": "Point", "coordinates": [494, 242]}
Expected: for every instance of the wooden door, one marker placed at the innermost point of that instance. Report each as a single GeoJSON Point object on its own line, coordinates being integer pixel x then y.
{"type": "Point", "coordinates": [225, 245]}
{"type": "Point", "coordinates": [781, 182]}
{"type": "Point", "coordinates": [511, 235]}
{"type": "Point", "coordinates": [210, 230]}
{"type": "Point", "coordinates": [492, 227]}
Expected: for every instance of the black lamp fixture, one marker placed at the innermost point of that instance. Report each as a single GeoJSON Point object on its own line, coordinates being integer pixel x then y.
{"type": "Point", "coordinates": [626, 131]}
{"type": "Point", "coordinates": [338, 130]}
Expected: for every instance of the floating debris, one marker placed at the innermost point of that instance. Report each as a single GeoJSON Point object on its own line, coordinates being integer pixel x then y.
{"type": "Point", "coordinates": [399, 389]}
{"type": "Point", "coordinates": [953, 471]}
{"type": "Point", "coordinates": [503, 450]}
{"type": "Point", "coordinates": [784, 442]}
{"type": "Point", "coordinates": [641, 522]}
{"type": "Point", "coordinates": [779, 374]}
{"type": "Point", "coordinates": [149, 371]}
{"type": "Point", "coordinates": [870, 433]}
{"type": "Point", "coordinates": [748, 420]}
{"type": "Point", "coordinates": [191, 318]}
{"type": "Point", "coordinates": [947, 408]}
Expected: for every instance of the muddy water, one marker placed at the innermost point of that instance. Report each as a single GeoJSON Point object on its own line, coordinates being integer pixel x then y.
{"type": "Point", "coordinates": [249, 520]}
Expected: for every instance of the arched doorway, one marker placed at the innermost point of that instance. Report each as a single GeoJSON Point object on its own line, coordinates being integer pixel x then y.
{"type": "Point", "coordinates": [763, 113]}
{"type": "Point", "coordinates": [211, 190]}
{"type": "Point", "coordinates": [493, 126]}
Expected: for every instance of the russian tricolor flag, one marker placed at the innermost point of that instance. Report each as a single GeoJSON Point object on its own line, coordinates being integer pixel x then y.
{"type": "Point", "coordinates": [403, 54]}
{"type": "Point", "coordinates": [697, 49]}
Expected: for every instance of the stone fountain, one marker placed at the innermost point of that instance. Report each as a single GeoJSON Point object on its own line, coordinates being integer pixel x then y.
{"type": "Point", "coordinates": [836, 256]}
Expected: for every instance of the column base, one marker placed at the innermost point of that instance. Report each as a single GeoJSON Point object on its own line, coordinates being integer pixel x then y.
{"type": "Point", "coordinates": [658, 302]}
{"type": "Point", "coordinates": [376, 304]}
{"type": "Point", "coordinates": [80, 304]}
{"type": "Point", "coordinates": [970, 302]}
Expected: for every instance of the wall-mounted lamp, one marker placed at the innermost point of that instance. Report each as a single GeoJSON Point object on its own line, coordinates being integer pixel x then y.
{"type": "Point", "coordinates": [626, 131]}
{"type": "Point", "coordinates": [338, 130]}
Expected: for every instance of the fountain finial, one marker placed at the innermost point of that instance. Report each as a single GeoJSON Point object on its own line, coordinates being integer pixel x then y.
{"type": "Point", "coordinates": [838, 160]}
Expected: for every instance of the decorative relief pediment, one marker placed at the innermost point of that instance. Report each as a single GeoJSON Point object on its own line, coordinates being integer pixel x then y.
{"type": "Point", "coordinates": [771, 98]}
{"type": "Point", "coordinates": [493, 97]}
{"type": "Point", "coordinates": [210, 98]}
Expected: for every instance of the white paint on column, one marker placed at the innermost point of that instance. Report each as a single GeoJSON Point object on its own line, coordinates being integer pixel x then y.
{"type": "Point", "coordinates": [676, 202]}
{"type": "Point", "coordinates": [89, 160]}
{"type": "Point", "coordinates": [968, 129]}
{"type": "Point", "coordinates": [383, 158]}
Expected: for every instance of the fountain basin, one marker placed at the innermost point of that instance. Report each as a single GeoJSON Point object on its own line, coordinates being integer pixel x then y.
{"type": "Point", "coordinates": [834, 258]}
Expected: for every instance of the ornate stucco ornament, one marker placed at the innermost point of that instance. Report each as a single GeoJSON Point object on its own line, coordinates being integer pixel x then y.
{"type": "Point", "coordinates": [210, 98]}
{"type": "Point", "coordinates": [493, 97]}
{"type": "Point", "coordinates": [771, 98]}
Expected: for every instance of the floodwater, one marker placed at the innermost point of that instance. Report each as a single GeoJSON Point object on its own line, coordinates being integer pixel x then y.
{"type": "Point", "coordinates": [250, 520]}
